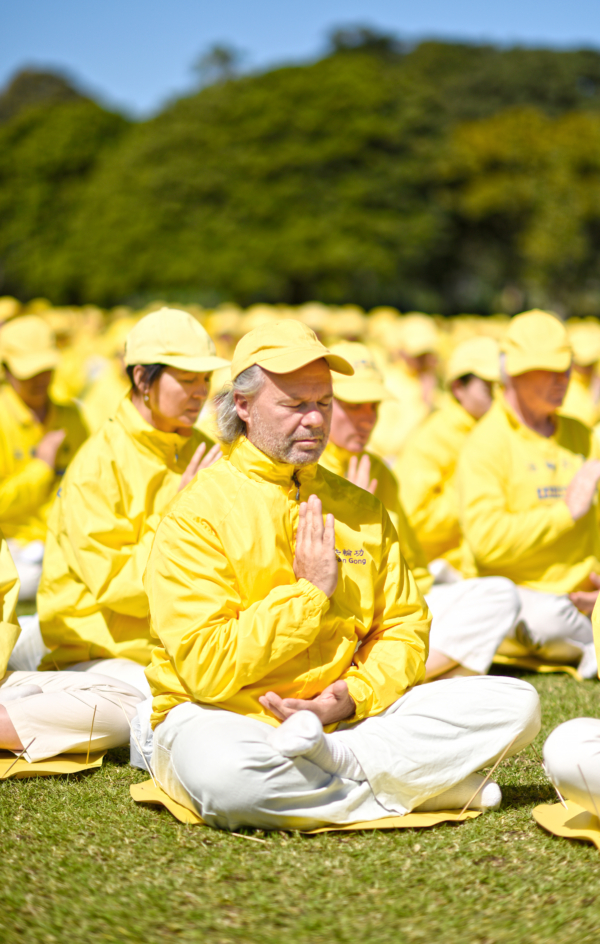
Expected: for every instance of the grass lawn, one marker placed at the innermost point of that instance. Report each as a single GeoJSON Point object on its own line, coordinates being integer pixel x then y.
{"type": "Point", "coordinates": [81, 862]}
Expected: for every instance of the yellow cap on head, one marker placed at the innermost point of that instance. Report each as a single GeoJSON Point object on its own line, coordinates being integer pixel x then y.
{"type": "Point", "coordinates": [536, 340]}
{"type": "Point", "coordinates": [366, 384]}
{"type": "Point", "coordinates": [28, 346]}
{"type": "Point", "coordinates": [479, 356]}
{"type": "Point", "coordinates": [585, 341]}
{"type": "Point", "coordinates": [282, 348]}
{"type": "Point", "coordinates": [172, 337]}
{"type": "Point", "coordinates": [419, 334]}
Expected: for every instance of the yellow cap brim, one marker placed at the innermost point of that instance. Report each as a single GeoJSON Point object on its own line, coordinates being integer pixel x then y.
{"type": "Point", "coordinates": [361, 392]}
{"type": "Point", "coordinates": [195, 365]}
{"type": "Point", "coordinates": [520, 363]}
{"type": "Point", "coordinates": [25, 366]}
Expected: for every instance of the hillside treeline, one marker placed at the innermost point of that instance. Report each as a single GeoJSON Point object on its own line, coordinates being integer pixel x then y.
{"type": "Point", "coordinates": [442, 177]}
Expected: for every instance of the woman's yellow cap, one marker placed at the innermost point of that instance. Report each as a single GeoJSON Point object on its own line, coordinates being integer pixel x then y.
{"type": "Point", "coordinates": [172, 337]}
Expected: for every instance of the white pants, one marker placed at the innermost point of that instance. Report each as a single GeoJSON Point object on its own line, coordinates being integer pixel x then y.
{"type": "Point", "coordinates": [222, 765]}
{"type": "Point", "coordinates": [28, 559]}
{"type": "Point", "coordinates": [29, 649]}
{"type": "Point", "coordinates": [549, 618]}
{"type": "Point", "coordinates": [572, 761]}
{"type": "Point", "coordinates": [60, 716]}
{"type": "Point", "coordinates": [124, 670]}
{"type": "Point", "coordinates": [471, 618]}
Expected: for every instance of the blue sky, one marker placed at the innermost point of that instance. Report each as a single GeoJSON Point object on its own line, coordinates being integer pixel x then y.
{"type": "Point", "coordinates": [135, 54]}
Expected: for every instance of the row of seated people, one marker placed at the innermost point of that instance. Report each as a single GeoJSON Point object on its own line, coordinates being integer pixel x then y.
{"type": "Point", "coordinates": [224, 576]}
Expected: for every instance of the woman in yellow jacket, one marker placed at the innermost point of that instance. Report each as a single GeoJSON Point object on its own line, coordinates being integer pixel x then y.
{"type": "Point", "coordinates": [48, 713]}
{"type": "Point", "coordinates": [91, 603]}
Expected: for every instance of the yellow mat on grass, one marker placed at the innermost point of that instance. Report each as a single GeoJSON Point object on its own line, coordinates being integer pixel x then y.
{"type": "Point", "coordinates": [147, 792]}
{"type": "Point", "coordinates": [572, 823]}
{"type": "Point", "coordinates": [53, 767]}
{"type": "Point", "coordinates": [512, 653]}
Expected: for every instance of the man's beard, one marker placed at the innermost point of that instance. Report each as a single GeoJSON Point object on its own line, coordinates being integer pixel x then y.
{"type": "Point", "coordinates": [288, 450]}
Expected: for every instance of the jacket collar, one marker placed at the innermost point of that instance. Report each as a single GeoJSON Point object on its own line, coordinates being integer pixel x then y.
{"type": "Point", "coordinates": [526, 431]}
{"type": "Point", "coordinates": [461, 417]}
{"type": "Point", "coordinates": [23, 415]}
{"type": "Point", "coordinates": [168, 446]}
{"type": "Point", "coordinates": [246, 458]}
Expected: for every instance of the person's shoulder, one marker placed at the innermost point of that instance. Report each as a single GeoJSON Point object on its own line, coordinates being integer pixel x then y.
{"type": "Point", "coordinates": [575, 435]}
{"type": "Point", "coordinates": [210, 496]}
{"type": "Point", "coordinates": [343, 499]}
{"type": "Point", "coordinates": [381, 471]}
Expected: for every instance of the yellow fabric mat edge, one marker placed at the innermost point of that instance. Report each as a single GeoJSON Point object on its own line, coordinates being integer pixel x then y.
{"type": "Point", "coordinates": [53, 767]}
{"type": "Point", "coordinates": [536, 665]}
{"type": "Point", "coordinates": [147, 792]}
{"type": "Point", "coordinates": [572, 823]}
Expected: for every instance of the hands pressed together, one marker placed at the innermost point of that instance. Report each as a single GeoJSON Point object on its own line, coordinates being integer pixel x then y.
{"type": "Point", "coordinates": [359, 473]}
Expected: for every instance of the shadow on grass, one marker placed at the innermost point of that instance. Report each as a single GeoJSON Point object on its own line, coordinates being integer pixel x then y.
{"type": "Point", "coordinates": [514, 797]}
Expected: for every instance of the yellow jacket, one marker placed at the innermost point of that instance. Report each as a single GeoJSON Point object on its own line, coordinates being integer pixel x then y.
{"type": "Point", "coordinates": [234, 622]}
{"type": "Point", "coordinates": [103, 398]}
{"type": "Point", "coordinates": [27, 484]}
{"type": "Point", "coordinates": [91, 601]}
{"type": "Point", "coordinates": [9, 592]}
{"type": "Point", "coordinates": [512, 483]}
{"type": "Point", "coordinates": [426, 470]}
{"type": "Point", "coordinates": [579, 401]}
{"type": "Point", "coordinates": [337, 460]}
{"type": "Point", "coordinates": [397, 418]}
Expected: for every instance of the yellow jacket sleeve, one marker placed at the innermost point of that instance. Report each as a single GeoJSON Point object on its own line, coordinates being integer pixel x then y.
{"type": "Point", "coordinates": [216, 644]}
{"type": "Point", "coordinates": [392, 656]}
{"type": "Point", "coordinates": [495, 535]}
{"type": "Point", "coordinates": [24, 491]}
{"type": "Point", "coordinates": [108, 551]}
{"type": "Point", "coordinates": [9, 593]}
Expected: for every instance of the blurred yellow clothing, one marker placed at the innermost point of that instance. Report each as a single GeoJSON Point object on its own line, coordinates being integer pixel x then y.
{"type": "Point", "coordinates": [91, 601]}
{"type": "Point", "coordinates": [426, 471]}
{"type": "Point", "coordinates": [27, 484]}
{"type": "Point", "coordinates": [397, 418]}
{"type": "Point", "coordinates": [579, 401]}
{"type": "Point", "coordinates": [337, 459]}
{"type": "Point", "coordinates": [9, 593]}
{"type": "Point", "coordinates": [104, 396]}
{"type": "Point", "coordinates": [234, 622]}
{"type": "Point", "coordinates": [70, 377]}
{"type": "Point", "coordinates": [511, 484]}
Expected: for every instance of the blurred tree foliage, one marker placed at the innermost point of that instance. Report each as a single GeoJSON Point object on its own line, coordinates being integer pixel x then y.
{"type": "Point", "coordinates": [443, 176]}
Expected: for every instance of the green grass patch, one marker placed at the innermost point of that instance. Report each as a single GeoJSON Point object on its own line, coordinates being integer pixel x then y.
{"type": "Point", "coordinates": [82, 862]}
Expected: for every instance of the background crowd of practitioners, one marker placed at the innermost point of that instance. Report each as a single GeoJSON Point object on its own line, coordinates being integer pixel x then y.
{"type": "Point", "coordinates": [478, 435]}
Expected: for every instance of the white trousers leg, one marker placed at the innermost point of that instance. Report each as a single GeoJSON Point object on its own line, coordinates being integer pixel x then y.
{"type": "Point", "coordinates": [222, 765]}
{"type": "Point", "coordinates": [471, 618]}
{"type": "Point", "coordinates": [572, 761]}
{"type": "Point", "coordinates": [28, 560]}
{"type": "Point", "coordinates": [549, 618]}
{"type": "Point", "coordinates": [60, 718]}
{"type": "Point", "coordinates": [29, 649]}
{"type": "Point", "coordinates": [124, 670]}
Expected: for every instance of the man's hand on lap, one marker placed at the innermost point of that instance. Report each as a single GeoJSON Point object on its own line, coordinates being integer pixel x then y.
{"type": "Point", "coordinates": [333, 704]}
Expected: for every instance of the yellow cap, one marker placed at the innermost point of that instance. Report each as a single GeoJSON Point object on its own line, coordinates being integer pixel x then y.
{"type": "Point", "coordinates": [536, 340]}
{"type": "Point", "coordinates": [419, 334]}
{"type": "Point", "coordinates": [585, 341]}
{"type": "Point", "coordinates": [9, 308]}
{"type": "Point", "coordinates": [28, 346]}
{"type": "Point", "coordinates": [366, 385]}
{"type": "Point", "coordinates": [282, 348]}
{"type": "Point", "coordinates": [172, 337]}
{"type": "Point", "coordinates": [479, 356]}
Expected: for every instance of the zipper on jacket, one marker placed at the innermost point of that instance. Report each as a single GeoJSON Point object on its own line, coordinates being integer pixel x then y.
{"type": "Point", "coordinates": [296, 482]}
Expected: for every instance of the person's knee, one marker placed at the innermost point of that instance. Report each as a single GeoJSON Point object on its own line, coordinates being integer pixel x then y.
{"type": "Point", "coordinates": [520, 705]}
{"type": "Point", "coordinates": [572, 747]}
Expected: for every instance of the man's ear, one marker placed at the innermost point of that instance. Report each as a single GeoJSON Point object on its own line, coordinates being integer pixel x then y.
{"type": "Point", "coordinates": [242, 406]}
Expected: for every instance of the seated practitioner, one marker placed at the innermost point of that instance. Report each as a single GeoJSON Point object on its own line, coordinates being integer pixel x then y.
{"type": "Point", "coordinates": [583, 392]}
{"type": "Point", "coordinates": [528, 485]}
{"type": "Point", "coordinates": [470, 618]}
{"type": "Point", "coordinates": [427, 466]}
{"type": "Point", "coordinates": [54, 710]}
{"type": "Point", "coordinates": [38, 438]}
{"type": "Point", "coordinates": [92, 604]}
{"type": "Point", "coordinates": [265, 613]}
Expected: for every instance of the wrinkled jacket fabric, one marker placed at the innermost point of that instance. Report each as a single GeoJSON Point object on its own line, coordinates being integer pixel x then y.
{"type": "Point", "coordinates": [27, 484]}
{"type": "Point", "coordinates": [512, 484]}
{"type": "Point", "coordinates": [337, 460]}
{"type": "Point", "coordinates": [426, 471]}
{"type": "Point", "coordinates": [92, 603]}
{"type": "Point", "coordinates": [232, 620]}
{"type": "Point", "coordinates": [9, 594]}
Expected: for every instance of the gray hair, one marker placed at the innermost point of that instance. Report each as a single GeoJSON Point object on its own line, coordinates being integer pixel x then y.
{"type": "Point", "coordinates": [229, 424]}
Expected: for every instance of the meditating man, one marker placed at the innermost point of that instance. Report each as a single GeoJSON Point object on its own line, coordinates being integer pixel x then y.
{"type": "Point", "coordinates": [470, 617]}
{"type": "Point", "coordinates": [274, 624]}
{"type": "Point", "coordinates": [528, 486]}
